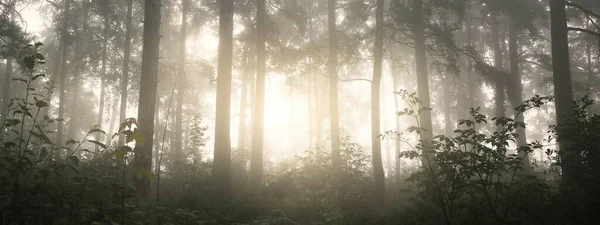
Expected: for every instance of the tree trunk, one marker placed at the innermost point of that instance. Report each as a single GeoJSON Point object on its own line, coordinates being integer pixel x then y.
{"type": "Point", "coordinates": [398, 144]}
{"type": "Point", "coordinates": [499, 94]}
{"type": "Point", "coordinates": [62, 73]}
{"type": "Point", "coordinates": [563, 89]}
{"type": "Point", "coordinates": [103, 75]}
{"type": "Point", "coordinates": [147, 100]}
{"type": "Point", "coordinates": [222, 152]}
{"type": "Point", "coordinates": [178, 153]}
{"type": "Point", "coordinates": [515, 87]}
{"type": "Point", "coordinates": [447, 83]}
{"type": "Point", "coordinates": [378, 174]}
{"type": "Point", "coordinates": [259, 110]}
{"type": "Point", "coordinates": [8, 71]}
{"type": "Point", "coordinates": [422, 74]}
{"type": "Point", "coordinates": [334, 116]}
{"type": "Point", "coordinates": [243, 102]}
{"type": "Point", "coordinates": [125, 76]}
{"type": "Point", "coordinates": [79, 45]}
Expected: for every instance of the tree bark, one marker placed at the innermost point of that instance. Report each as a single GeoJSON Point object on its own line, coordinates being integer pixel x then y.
{"type": "Point", "coordinates": [499, 95]}
{"type": "Point", "coordinates": [126, 61]}
{"type": "Point", "coordinates": [103, 75]}
{"type": "Point", "coordinates": [515, 87]}
{"type": "Point", "coordinates": [178, 153]}
{"type": "Point", "coordinates": [243, 102]}
{"type": "Point", "coordinates": [62, 73]}
{"type": "Point", "coordinates": [79, 45]}
{"type": "Point", "coordinates": [398, 144]}
{"type": "Point", "coordinates": [422, 74]}
{"type": "Point", "coordinates": [334, 116]}
{"type": "Point", "coordinates": [378, 173]}
{"type": "Point", "coordinates": [147, 100]}
{"type": "Point", "coordinates": [222, 153]}
{"type": "Point", "coordinates": [259, 110]}
{"type": "Point", "coordinates": [563, 90]}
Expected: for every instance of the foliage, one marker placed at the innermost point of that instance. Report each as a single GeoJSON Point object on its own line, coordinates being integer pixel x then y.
{"type": "Point", "coordinates": [477, 178]}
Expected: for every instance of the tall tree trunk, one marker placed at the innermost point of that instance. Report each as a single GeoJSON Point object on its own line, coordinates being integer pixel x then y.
{"type": "Point", "coordinates": [147, 100]}
{"type": "Point", "coordinates": [378, 174]}
{"type": "Point", "coordinates": [8, 71]}
{"type": "Point", "coordinates": [515, 87]}
{"type": "Point", "coordinates": [113, 119]}
{"type": "Point", "coordinates": [62, 73]}
{"type": "Point", "coordinates": [499, 94]}
{"type": "Point", "coordinates": [243, 102]}
{"type": "Point", "coordinates": [79, 52]}
{"type": "Point", "coordinates": [222, 153]}
{"type": "Point", "coordinates": [332, 67]}
{"type": "Point", "coordinates": [259, 110]}
{"type": "Point", "coordinates": [181, 84]}
{"type": "Point", "coordinates": [563, 89]}
{"type": "Point", "coordinates": [447, 83]}
{"type": "Point", "coordinates": [103, 75]}
{"type": "Point", "coordinates": [422, 74]}
{"type": "Point", "coordinates": [126, 60]}
{"type": "Point", "coordinates": [398, 144]}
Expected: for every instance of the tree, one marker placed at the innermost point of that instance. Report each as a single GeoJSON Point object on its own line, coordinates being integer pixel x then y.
{"type": "Point", "coordinates": [332, 67]}
{"type": "Point", "coordinates": [222, 153]}
{"type": "Point", "coordinates": [561, 69]}
{"type": "Point", "coordinates": [378, 173]}
{"type": "Point", "coordinates": [515, 86]}
{"type": "Point", "coordinates": [499, 82]}
{"type": "Point", "coordinates": [82, 34]}
{"type": "Point", "coordinates": [62, 73]}
{"type": "Point", "coordinates": [103, 74]}
{"type": "Point", "coordinates": [259, 110]}
{"type": "Point", "coordinates": [147, 101]}
{"type": "Point", "coordinates": [126, 62]}
{"type": "Point", "coordinates": [178, 154]}
{"type": "Point", "coordinates": [418, 31]}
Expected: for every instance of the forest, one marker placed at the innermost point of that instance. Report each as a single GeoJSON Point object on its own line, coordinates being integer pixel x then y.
{"type": "Point", "coordinates": [299, 112]}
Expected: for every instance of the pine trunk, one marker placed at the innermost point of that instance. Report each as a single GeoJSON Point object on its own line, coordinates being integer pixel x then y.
{"type": "Point", "coordinates": [126, 60]}
{"type": "Point", "coordinates": [259, 110]}
{"type": "Point", "coordinates": [181, 80]}
{"type": "Point", "coordinates": [147, 100]}
{"type": "Point", "coordinates": [378, 173]}
{"type": "Point", "coordinates": [222, 153]}
{"type": "Point", "coordinates": [334, 116]}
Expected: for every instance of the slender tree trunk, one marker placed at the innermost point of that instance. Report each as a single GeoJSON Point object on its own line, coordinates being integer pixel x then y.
{"type": "Point", "coordinates": [259, 110]}
{"type": "Point", "coordinates": [7, 72]}
{"type": "Point", "coordinates": [243, 102]}
{"type": "Point", "coordinates": [62, 73]}
{"type": "Point", "coordinates": [7, 83]}
{"type": "Point", "coordinates": [332, 67]}
{"type": "Point", "coordinates": [181, 84]}
{"type": "Point", "coordinates": [447, 83]}
{"type": "Point", "coordinates": [126, 59]}
{"type": "Point", "coordinates": [103, 75]}
{"type": "Point", "coordinates": [147, 100]}
{"type": "Point", "coordinates": [398, 144]}
{"type": "Point", "coordinates": [563, 89]}
{"type": "Point", "coordinates": [222, 152]}
{"type": "Point", "coordinates": [113, 119]}
{"type": "Point", "coordinates": [378, 174]}
{"type": "Point", "coordinates": [499, 95]}
{"type": "Point", "coordinates": [422, 74]}
{"type": "Point", "coordinates": [515, 88]}
{"type": "Point", "coordinates": [79, 52]}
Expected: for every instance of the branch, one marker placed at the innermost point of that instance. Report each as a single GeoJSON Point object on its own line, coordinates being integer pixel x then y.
{"type": "Point", "coordinates": [349, 80]}
{"type": "Point", "coordinates": [590, 32]}
{"type": "Point", "coordinates": [577, 6]}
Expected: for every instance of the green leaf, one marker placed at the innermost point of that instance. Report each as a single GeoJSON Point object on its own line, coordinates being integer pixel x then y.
{"type": "Point", "coordinates": [96, 130]}
{"type": "Point", "coordinates": [41, 104]}
{"type": "Point", "coordinates": [97, 143]}
{"type": "Point", "coordinates": [39, 56]}
{"type": "Point", "coordinates": [29, 62]}
{"type": "Point", "coordinates": [71, 142]}
{"type": "Point", "coordinates": [12, 122]}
